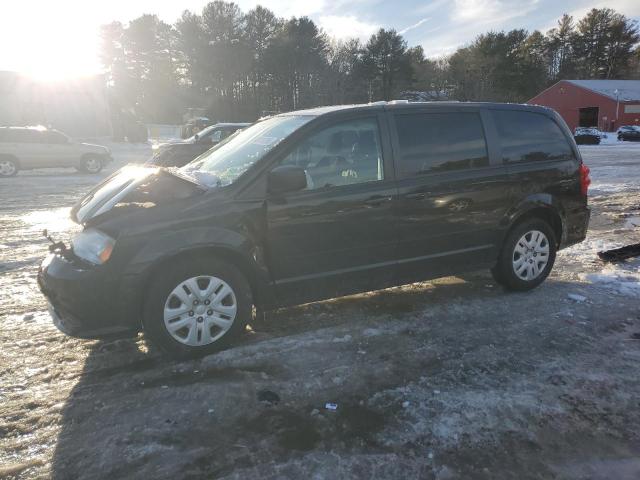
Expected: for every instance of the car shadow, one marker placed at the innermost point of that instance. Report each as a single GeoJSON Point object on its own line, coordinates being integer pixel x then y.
{"type": "Point", "coordinates": [392, 302]}
{"type": "Point", "coordinates": [103, 435]}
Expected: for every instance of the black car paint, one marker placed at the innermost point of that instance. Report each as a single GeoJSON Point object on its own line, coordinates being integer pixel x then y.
{"type": "Point", "coordinates": [179, 154]}
{"type": "Point", "coordinates": [584, 138]}
{"type": "Point", "coordinates": [629, 135]}
{"type": "Point", "coordinates": [317, 244]}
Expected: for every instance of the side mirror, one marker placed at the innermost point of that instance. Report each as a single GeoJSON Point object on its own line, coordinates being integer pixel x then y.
{"type": "Point", "coordinates": [287, 178]}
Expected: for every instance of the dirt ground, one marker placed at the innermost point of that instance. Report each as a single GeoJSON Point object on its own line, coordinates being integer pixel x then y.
{"type": "Point", "coordinates": [450, 379]}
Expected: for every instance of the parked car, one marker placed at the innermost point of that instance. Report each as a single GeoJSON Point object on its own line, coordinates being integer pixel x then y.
{"type": "Point", "coordinates": [179, 153]}
{"type": "Point", "coordinates": [317, 204]}
{"type": "Point", "coordinates": [25, 148]}
{"type": "Point", "coordinates": [629, 133]}
{"type": "Point", "coordinates": [587, 136]}
{"type": "Point", "coordinates": [194, 126]}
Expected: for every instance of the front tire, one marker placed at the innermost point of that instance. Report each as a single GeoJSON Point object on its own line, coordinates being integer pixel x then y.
{"type": "Point", "coordinates": [8, 167]}
{"type": "Point", "coordinates": [527, 256]}
{"type": "Point", "coordinates": [91, 164]}
{"type": "Point", "coordinates": [196, 307]}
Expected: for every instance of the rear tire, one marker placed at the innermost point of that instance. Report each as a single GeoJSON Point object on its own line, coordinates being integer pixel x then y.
{"type": "Point", "coordinates": [8, 167]}
{"type": "Point", "coordinates": [527, 256]}
{"type": "Point", "coordinates": [196, 307]}
{"type": "Point", "coordinates": [91, 164]}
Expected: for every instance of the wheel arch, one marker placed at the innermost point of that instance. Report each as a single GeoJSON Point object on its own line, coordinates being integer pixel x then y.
{"type": "Point", "coordinates": [223, 253]}
{"type": "Point", "coordinates": [543, 207]}
{"type": "Point", "coordinates": [11, 157]}
{"type": "Point", "coordinates": [138, 284]}
{"type": "Point", "coordinates": [87, 155]}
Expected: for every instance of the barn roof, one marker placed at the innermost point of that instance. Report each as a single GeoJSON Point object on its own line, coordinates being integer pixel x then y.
{"type": "Point", "coordinates": [628, 90]}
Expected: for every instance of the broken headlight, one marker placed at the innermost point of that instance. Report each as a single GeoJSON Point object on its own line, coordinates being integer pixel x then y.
{"type": "Point", "coordinates": [93, 246]}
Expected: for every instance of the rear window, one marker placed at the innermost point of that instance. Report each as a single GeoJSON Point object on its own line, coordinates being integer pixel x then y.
{"type": "Point", "coordinates": [440, 142]}
{"type": "Point", "coordinates": [530, 137]}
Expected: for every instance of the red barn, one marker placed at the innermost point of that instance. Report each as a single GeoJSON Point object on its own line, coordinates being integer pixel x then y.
{"type": "Point", "coordinates": [605, 104]}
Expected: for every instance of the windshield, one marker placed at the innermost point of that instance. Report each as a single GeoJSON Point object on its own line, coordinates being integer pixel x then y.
{"type": "Point", "coordinates": [224, 164]}
{"type": "Point", "coordinates": [202, 133]}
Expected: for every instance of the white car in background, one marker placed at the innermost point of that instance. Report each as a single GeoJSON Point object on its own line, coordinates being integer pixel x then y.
{"type": "Point", "coordinates": [25, 148]}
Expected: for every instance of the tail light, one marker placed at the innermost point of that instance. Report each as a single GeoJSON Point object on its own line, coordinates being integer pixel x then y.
{"type": "Point", "coordinates": [585, 180]}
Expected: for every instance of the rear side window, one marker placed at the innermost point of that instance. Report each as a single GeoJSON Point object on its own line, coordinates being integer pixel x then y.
{"type": "Point", "coordinates": [530, 137]}
{"type": "Point", "coordinates": [440, 142]}
{"type": "Point", "coordinates": [20, 135]}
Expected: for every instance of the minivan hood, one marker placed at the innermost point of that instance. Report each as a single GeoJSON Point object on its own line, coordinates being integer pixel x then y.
{"type": "Point", "coordinates": [133, 185]}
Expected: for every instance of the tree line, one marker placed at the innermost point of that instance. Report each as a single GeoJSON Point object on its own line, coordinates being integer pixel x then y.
{"type": "Point", "coordinates": [240, 66]}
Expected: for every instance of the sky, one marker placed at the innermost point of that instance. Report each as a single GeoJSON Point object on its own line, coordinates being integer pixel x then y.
{"type": "Point", "coordinates": [49, 39]}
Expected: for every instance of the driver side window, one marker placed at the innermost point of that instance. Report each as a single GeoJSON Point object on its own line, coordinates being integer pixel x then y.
{"type": "Point", "coordinates": [343, 154]}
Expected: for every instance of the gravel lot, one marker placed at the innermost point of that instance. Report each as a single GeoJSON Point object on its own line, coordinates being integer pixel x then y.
{"type": "Point", "coordinates": [446, 379]}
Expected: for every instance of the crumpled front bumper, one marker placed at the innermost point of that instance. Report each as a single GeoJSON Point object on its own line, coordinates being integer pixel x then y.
{"type": "Point", "coordinates": [80, 301]}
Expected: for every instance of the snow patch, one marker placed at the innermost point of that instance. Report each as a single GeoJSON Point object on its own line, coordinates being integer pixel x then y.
{"type": "Point", "coordinates": [577, 298]}
{"type": "Point", "coordinates": [623, 279]}
{"type": "Point", "coordinates": [632, 222]}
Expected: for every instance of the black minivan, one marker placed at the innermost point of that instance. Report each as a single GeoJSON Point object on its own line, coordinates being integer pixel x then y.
{"type": "Point", "coordinates": [316, 204]}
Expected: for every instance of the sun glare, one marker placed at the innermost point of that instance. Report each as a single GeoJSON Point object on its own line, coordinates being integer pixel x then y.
{"type": "Point", "coordinates": [68, 56]}
{"type": "Point", "coordinates": [50, 49]}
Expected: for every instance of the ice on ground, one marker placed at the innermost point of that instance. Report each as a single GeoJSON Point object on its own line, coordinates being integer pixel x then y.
{"type": "Point", "coordinates": [622, 278]}
{"type": "Point", "coordinates": [632, 222]}
{"type": "Point", "coordinates": [53, 219]}
{"type": "Point", "coordinates": [576, 297]}
{"type": "Point", "coordinates": [586, 252]}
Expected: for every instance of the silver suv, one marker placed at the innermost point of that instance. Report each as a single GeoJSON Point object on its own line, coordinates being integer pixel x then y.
{"type": "Point", "coordinates": [24, 148]}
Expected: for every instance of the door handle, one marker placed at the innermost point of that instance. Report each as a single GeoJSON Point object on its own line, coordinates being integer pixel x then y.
{"type": "Point", "coordinates": [415, 196]}
{"type": "Point", "coordinates": [378, 200]}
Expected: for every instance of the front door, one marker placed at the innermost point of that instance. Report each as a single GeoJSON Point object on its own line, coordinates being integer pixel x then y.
{"type": "Point", "coordinates": [338, 235]}
{"type": "Point", "coordinates": [58, 150]}
{"type": "Point", "coordinates": [452, 192]}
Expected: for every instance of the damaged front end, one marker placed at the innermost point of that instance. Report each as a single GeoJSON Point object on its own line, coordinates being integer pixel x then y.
{"type": "Point", "coordinates": [80, 280]}
{"type": "Point", "coordinates": [133, 188]}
